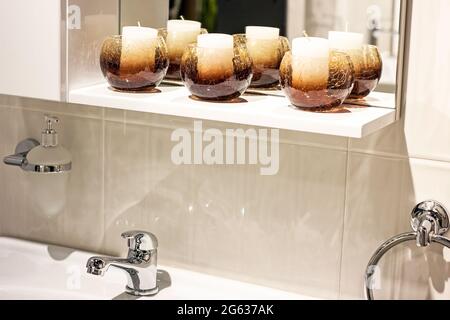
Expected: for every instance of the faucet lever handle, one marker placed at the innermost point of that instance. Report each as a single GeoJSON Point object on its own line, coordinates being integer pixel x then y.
{"type": "Point", "coordinates": [140, 240]}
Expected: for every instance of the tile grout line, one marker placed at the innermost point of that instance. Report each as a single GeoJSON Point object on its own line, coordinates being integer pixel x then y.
{"type": "Point", "coordinates": [392, 156]}
{"type": "Point", "coordinates": [155, 124]}
{"type": "Point", "coordinates": [103, 148]}
{"type": "Point", "coordinates": [346, 184]}
{"type": "Point", "coordinates": [46, 110]}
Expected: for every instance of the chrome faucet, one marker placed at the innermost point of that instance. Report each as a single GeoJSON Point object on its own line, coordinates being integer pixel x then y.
{"type": "Point", "coordinates": [140, 264]}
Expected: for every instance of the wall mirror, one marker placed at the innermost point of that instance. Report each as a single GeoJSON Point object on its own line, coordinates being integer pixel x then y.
{"type": "Point", "coordinates": [378, 20]}
{"type": "Point", "coordinates": [383, 23]}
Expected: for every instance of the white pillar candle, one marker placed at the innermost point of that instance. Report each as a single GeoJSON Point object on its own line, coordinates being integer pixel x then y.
{"type": "Point", "coordinates": [215, 55]}
{"type": "Point", "coordinates": [138, 46]}
{"type": "Point", "coordinates": [266, 33]}
{"type": "Point", "coordinates": [135, 33]}
{"type": "Point", "coordinates": [310, 62]}
{"type": "Point", "coordinates": [215, 41]}
{"type": "Point", "coordinates": [310, 47]}
{"type": "Point", "coordinates": [183, 26]}
{"type": "Point", "coordinates": [350, 43]}
{"type": "Point", "coordinates": [181, 33]}
{"type": "Point", "coordinates": [345, 40]}
{"type": "Point", "coordinates": [262, 44]}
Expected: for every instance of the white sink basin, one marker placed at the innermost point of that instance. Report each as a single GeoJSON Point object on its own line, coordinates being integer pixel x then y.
{"type": "Point", "coordinates": [31, 271]}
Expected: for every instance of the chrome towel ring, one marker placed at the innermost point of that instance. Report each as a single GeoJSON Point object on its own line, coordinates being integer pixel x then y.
{"type": "Point", "coordinates": [429, 220]}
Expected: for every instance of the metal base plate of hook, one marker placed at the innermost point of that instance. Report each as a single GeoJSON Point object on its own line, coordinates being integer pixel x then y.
{"type": "Point", "coordinates": [18, 158]}
{"type": "Point", "coordinates": [429, 217]}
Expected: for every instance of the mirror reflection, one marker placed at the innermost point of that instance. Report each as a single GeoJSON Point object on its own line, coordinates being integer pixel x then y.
{"type": "Point", "coordinates": [377, 20]}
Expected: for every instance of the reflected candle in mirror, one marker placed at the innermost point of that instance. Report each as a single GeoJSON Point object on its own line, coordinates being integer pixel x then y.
{"type": "Point", "coordinates": [267, 49]}
{"type": "Point", "coordinates": [371, 69]}
{"type": "Point", "coordinates": [135, 61]}
{"type": "Point", "coordinates": [178, 35]}
{"type": "Point", "coordinates": [315, 78]}
{"type": "Point", "coordinates": [366, 61]}
{"type": "Point", "coordinates": [218, 67]}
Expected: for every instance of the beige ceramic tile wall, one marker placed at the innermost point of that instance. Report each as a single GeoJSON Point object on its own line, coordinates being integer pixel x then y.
{"type": "Point", "coordinates": [225, 220]}
{"type": "Point", "coordinates": [213, 219]}
{"type": "Point", "coordinates": [311, 228]}
{"type": "Point", "coordinates": [82, 133]}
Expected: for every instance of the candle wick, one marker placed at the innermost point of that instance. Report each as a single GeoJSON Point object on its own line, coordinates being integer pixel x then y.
{"type": "Point", "coordinates": [181, 17]}
{"type": "Point", "coordinates": [346, 26]}
{"type": "Point", "coordinates": [305, 34]}
{"type": "Point", "coordinates": [139, 24]}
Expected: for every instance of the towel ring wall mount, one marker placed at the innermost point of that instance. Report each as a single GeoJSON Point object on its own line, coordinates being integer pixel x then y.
{"type": "Point", "coordinates": [429, 221]}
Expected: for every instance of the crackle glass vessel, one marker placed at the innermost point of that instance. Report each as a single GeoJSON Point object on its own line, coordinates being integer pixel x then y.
{"type": "Point", "coordinates": [129, 64]}
{"type": "Point", "coordinates": [317, 83]}
{"type": "Point", "coordinates": [177, 42]}
{"type": "Point", "coordinates": [217, 68]}
{"type": "Point", "coordinates": [266, 55]}
{"type": "Point", "coordinates": [368, 66]}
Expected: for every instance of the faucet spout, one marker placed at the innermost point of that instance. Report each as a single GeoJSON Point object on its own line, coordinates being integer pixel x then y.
{"type": "Point", "coordinates": [140, 265]}
{"type": "Point", "coordinates": [99, 265]}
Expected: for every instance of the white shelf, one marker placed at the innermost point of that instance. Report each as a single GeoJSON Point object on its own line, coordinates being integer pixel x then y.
{"type": "Point", "coordinates": [260, 110]}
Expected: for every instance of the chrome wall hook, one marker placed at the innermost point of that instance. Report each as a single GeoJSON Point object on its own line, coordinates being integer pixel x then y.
{"type": "Point", "coordinates": [429, 220]}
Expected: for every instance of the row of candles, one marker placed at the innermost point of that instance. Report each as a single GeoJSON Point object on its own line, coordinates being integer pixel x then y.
{"type": "Point", "coordinates": [315, 73]}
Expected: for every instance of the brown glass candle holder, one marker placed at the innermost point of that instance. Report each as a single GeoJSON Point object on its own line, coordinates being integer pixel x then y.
{"type": "Point", "coordinates": [311, 90]}
{"type": "Point", "coordinates": [215, 74]}
{"type": "Point", "coordinates": [176, 45]}
{"type": "Point", "coordinates": [368, 66]}
{"type": "Point", "coordinates": [131, 66]}
{"type": "Point", "coordinates": [266, 55]}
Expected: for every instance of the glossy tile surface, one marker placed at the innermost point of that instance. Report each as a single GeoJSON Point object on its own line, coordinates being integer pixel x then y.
{"type": "Point", "coordinates": [375, 212]}
{"type": "Point", "coordinates": [212, 219]}
{"type": "Point", "coordinates": [378, 207]}
{"type": "Point", "coordinates": [22, 216]}
{"type": "Point", "coordinates": [424, 274]}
